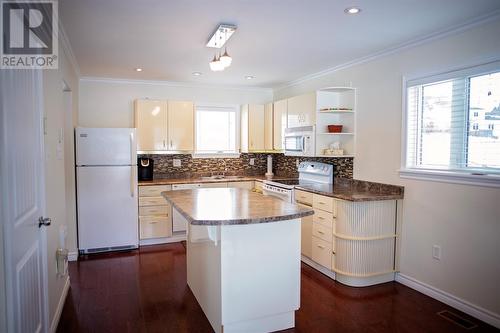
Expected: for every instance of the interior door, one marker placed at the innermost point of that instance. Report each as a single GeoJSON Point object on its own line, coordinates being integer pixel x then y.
{"type": "Point", "coordinates": [22, 182]}
{"type": "Point", "coordinates": [180, 125]}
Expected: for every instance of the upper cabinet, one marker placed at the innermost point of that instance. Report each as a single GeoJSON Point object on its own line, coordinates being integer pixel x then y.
{"type": "Point", "coordinates": [151, 124]}
{"type": "Point", "coordinates": [279, 123]}
{"type": "Point", "coordinates": [268, 126]}
{"type": "Point", "coordinates": [302, 110]}
{"type": "Point", "coordinates": [252, 128]}
{"type": "Point", "coordinates": [181, 125]}
{"type": "Point", "coordinates": [164, 125]}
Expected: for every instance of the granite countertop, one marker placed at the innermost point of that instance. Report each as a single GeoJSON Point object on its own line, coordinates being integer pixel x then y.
{"type": "Point", "coordinates": [232, 206]}
{"type": "Point", "coordinates": [354, 190]}
{"type": "Point", "coordinates": [194, 180]}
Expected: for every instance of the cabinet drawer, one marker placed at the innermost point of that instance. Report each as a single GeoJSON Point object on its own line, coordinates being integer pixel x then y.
{"type": "Point", "coordinates": [152, 201]}
{"type": "Point", "coordinates": [154, 210]}
{"type": "Point", "coordinates": [322, 252]}
{"type": "Point", "coordinates": [324, 218]}
{"type": "Point", "coordinates": [246, 185]}
{"type": "Point", "coordinates": [304, 197]}
{"type": "Point", "coordinates": [213, 185]}
{"type": "Point", "coordinates": [155, 226]}
{"type": "Point", "coordinates": [324, 203]}
{"type": "Point", "coordinates": [153, 190]}
{"type": "Point", "coordinates": [322, 232]}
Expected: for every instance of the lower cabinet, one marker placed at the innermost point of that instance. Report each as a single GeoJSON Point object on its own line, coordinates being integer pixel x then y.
{"type": "Point", "coordinates": [155, 213]}
{"type": "Point", "coordinates": [249, 185]}
{"type": "Point", "coordinates": [306, 234]}
{"type": "Point", "coordinates": [355, 241]}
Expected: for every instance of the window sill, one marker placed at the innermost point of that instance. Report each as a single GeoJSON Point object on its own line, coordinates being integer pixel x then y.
{"type": "Point", "coordinates": [455, 177]}
{"type": "Point", "coordinates": [215, 155]}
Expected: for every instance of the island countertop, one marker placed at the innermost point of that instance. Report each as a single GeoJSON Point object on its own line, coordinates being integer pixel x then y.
{"type": "Point", "coordinates": [231, 206]}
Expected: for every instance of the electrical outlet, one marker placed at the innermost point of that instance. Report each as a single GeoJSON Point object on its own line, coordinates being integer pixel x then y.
{"type": "Point", "coordinates": [176, 162]}
{"type": "Point", "coordinates": [436, 252]}
{"type": "Point", "coordinates": [252, 161]}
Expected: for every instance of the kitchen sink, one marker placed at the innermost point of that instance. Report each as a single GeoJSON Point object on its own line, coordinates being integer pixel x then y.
{"type": "Point", "coordinates": [221, 177]}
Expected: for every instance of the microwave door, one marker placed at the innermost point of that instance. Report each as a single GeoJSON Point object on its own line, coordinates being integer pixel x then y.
{"type": "Point", "coordinates": [294, 143]}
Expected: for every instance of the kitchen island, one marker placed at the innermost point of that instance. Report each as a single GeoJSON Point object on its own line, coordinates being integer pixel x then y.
{"type": "Point", "coordinates": [243, 257]}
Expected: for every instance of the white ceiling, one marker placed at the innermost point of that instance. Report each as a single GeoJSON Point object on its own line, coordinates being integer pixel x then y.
{"type": "Point", "coordinates": [277, 41]}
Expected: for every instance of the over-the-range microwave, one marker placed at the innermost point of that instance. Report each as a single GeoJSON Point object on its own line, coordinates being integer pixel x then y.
{"type": "Point", "coordinates": [300, 141]}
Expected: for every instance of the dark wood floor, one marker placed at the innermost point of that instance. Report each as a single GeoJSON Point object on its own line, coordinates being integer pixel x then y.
{"type": "Point", "coordinates": [146, 291]}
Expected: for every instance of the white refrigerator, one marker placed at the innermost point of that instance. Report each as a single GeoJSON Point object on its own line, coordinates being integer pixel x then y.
{"type": "Point", "coordinates": [106, 176]}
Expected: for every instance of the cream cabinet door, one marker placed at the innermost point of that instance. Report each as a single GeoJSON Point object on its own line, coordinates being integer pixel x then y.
{"type": "Point", "coordinates": [301, 110]}
{"type": "Point", "coordinates": [268, 126]}
{"type": "Point", "coordinates": [306, 234]}
{"type": "Point", "coordinates": [279, 123]}
{"type": "Point", "coordinates": [180, 125]}
{"type": "Point", "coordinates": [151, 124]}
{"type": "Point", "coordinates": [256, 128]}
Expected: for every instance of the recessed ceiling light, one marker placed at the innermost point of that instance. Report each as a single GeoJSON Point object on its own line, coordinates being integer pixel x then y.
{"type": "Point", "coordinates": [138, 69]}
{"type": "Point", "coordinates": [197, 73]}
{"type": "Point", "coordinates": [249, 77]}
{"type": "Point", "coordinates": [352, 10]}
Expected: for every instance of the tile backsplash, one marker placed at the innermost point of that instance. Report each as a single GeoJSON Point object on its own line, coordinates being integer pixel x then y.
{"type": "Point", "coordinates": [282, 165]}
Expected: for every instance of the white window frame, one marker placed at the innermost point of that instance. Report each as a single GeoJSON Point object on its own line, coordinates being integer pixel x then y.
{"type": "Point", "coordinates": [470, 176]}
{"type": "Point", "coordinates": [236, 108]}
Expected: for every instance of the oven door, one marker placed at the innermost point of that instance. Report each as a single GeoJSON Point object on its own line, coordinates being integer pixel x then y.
{"type": "Point", "coordinates": [294, 145]}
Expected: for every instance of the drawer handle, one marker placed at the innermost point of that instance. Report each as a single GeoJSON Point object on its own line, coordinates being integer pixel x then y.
{"type": "Point", "coordinates": [153, 222]}
{"type": "Point", "coordinates": [321, 203]}
{"type": "Point", "coordinates": [321, 218]}
{"type": "Point", "coordinates": [321, 232]}
{"type": "Point", "coordinates": [321, 247]}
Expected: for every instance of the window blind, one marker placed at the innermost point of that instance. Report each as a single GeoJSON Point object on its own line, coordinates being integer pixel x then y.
{"type": "Point", "coordinates": [453, 121]}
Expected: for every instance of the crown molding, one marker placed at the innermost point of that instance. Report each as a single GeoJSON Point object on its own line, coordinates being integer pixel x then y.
{"type": "Point", "coordinates": [172, 84]}
{"type": "Point", "coordinates": [467, 25]}
{"type": "Point", "coordinates": [67, 49]}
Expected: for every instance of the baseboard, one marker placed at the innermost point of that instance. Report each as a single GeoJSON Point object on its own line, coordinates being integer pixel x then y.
{"type": "Point", "coordinates": [451, 300]}
{"type": "Point", "coordinates": [318, 267]}
{"type": "Point", "coordinates": [60, 306]}
{"type": "Point", "coordinates": [73, 256]}
{"type": "Point", "coordinates": [163, 240]}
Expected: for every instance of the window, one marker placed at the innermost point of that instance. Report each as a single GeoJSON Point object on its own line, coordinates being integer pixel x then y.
{"type": "Point", "coordinates": [450, 121]}
{"type": "Point", "coordinates": [216, 130]}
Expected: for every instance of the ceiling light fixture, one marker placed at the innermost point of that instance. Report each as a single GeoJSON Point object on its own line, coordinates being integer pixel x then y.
{"type": "Point", "coordinates": [352, 10]}
{"type": "Point", "coordinates": [218, 39]}
{"type": "Point", "coordinates": [138, 69]}
{"type": "Point", "coordinates": [197, 73]}
{"type": "Point", "coordinates": [249, 77]}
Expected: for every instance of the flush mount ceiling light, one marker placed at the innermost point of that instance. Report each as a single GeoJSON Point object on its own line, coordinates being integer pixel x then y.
{"type": "Point", "coordinates": [217, 40]}
{"type": "Point", "coordinates": [352, 10]}
{"type": "Point", "coordinates": [197, 73]}
{"type": "Point", "coordinates": [138, 69]}
{"type": "Point", "coordinates": [249, 77]}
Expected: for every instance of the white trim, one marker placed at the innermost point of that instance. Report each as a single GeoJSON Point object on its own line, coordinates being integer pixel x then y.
{"type": "Point", "coordinates": [451, 300]}
{"type": "Point", "coordinates": [67, 49]}
{"type": "Point", "coordinates": [401, 47]}
{"type": "Point", "coordinates": [318, 267]}
{"type": "Point", "coordinates": [163, 240]}
{"type": "Point", "coordinates": [487, 180]}
{"type": "Point", "coordinates": [174, 84]}
{"type": "Point", "coordinates": [60, 306]}
{"type": "Point", "coordinates": [73, 256]}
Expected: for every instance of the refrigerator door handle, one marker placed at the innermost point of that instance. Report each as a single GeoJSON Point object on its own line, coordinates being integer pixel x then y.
{"type": "Point", "coordinates": [132, 181]}
{"type": "Point", "coordinates": [132, 148]}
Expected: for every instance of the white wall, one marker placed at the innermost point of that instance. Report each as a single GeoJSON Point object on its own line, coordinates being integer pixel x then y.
{"type": "Point", "coordinates": [109, 103]}
{"type": "Point", "coordinates": [464, 220]}
{"type": "Point", "coordinates": [59, 190]}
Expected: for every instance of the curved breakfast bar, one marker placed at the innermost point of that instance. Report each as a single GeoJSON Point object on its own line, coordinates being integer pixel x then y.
{"type": "Point", "coordinates": [243, 257]}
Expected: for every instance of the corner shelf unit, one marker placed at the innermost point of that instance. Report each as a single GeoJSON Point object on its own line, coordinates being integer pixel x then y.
{"type": "Point", "coordinates": [341, 105]}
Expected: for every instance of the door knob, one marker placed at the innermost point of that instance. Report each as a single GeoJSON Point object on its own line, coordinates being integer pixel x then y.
{"type": "Point", "coordinates": [44, 221]}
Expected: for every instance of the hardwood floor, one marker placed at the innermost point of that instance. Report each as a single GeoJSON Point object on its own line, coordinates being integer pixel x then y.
{"type": "Point", "coordinates": [146, 291]}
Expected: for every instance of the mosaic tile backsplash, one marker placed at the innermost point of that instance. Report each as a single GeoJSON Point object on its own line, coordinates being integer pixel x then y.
{"type": "Point", "coordinates": [282, 165]}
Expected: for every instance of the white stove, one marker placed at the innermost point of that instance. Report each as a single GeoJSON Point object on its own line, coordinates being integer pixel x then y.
{"type": "Point", "coordinates": [309, 172]}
